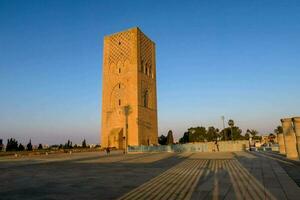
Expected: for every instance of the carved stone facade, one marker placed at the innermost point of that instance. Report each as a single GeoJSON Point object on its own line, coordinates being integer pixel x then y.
{"type": "Point", "coordinates": [129, 81]}
{"type": "Point", "coordinates": [280, 139]}
{"type": "Point", "coordinates": [296, 122]}
{"type": "Point", "coordinates": [291, 135]}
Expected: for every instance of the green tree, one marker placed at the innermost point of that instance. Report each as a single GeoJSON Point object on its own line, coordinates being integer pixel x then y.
{"type": "Point", "coordinates": [185, 138]}
{"type": "Point", "coordinates": [247, 136]}
{"type": "Point", "coordinates": [226, 134]}
{"type": "Point", "coordinates": [278, 130]}
{"type": "Point", "coordinates": [197, 134]}
{"type": "Point", "coordinates": [12, 145]}
{"type": "Point", "coordinates": [162, 140]}
{"type": "Point", "coordinates": [170, 139]}
{"type": "Point", "coordinates": [232, 133]}
{"type": "Point", "coordinates": [21, 147]}
{"type": "Point", "coordinates": [68, 145]}
{"type": "Point", "coordinates": [236, 133]}
{"type": "Point", "coordinates": [212, 133]}
{"type": "Point", "coordinates": [40, 147]}
{"type": "Point", "coordinates": [1, 144]}
{"type": "Point", "coordinates": [84, 143]}
{"type": "Point", "coordinates": [231, 125]}
{"type": "Point", "coordinates": [254, 134]}
{"type": "Point", "coordinates": [271, 137]}
{"type": "Point", "coordinates": [29, 146]}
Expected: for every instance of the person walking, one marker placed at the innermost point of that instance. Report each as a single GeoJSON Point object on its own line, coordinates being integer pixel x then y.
{"type": "Point", "coordinates": [107, 151]}
{"type": "Point", "coordinates": [217, 145]}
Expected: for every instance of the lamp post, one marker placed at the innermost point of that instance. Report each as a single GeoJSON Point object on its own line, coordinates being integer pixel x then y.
{"type": "Point", "coordinates": [223, 120]}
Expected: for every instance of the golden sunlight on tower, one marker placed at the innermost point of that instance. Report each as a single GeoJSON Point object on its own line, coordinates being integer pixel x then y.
{"type": "Point", "coordinates": [129, 102]}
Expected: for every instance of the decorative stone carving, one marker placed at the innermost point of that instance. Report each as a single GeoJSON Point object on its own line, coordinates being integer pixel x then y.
{"type": "Point", "coordinates": [289, 138]}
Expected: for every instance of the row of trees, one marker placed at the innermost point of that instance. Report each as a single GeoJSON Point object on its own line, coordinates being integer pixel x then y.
{"type": "Point", "coordinates": [202, 134]}
{"type": "Point", "coordinates": [69, 145]}
{"type": "Point", "coordinates": [14, 145]}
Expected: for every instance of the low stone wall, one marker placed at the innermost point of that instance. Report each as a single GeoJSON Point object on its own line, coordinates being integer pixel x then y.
{"type": "Point", "coordinates": [224, 146]}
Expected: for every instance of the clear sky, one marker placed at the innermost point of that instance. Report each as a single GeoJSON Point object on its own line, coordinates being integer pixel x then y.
{"type": "Point", "coordinates": [240, 59]}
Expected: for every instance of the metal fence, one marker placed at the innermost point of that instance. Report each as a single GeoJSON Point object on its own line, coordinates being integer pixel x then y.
{"type": "Point", "coordinates": [224, 146]}
{"type": "Point", "coordinates": [199, 147]}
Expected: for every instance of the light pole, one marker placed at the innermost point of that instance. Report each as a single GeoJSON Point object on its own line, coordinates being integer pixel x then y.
{"type": "Point", "coordinates": [224, 132]}
{"type": "Point", "coordinates": [223, 119]}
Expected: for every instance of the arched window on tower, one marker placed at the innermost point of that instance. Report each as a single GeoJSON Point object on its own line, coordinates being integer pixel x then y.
{"type": "Point", "coordinates": [150, 70]}
{"type": "Point", "coordinates": [145, 98]}
{"type": "Point", "coordinates": [142, 66]}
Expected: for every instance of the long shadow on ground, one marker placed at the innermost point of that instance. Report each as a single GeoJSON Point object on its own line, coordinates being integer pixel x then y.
{"type": "Point", "coordinates": [268, 174]}
{"type": "Point", "coordinates": [74, 179]}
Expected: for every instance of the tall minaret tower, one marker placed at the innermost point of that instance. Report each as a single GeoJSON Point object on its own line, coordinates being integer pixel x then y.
{"type": "Point", "coordinates": [129, 102]}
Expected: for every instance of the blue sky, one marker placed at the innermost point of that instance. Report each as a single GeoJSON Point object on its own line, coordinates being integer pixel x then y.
{"type": "Point", "coordinates": [239, 59]}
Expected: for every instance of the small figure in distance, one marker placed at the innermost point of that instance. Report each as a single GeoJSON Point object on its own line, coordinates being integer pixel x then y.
{"type": "Point", "coordinates": [107, 150]}
{"type": "Point", "coordinates": [217, 145]}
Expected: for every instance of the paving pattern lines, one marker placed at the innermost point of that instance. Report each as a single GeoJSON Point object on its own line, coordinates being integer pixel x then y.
{"type": "Point", "coordinates": [220, 174]}
{"type": "Point", "coordinates": [216, 183]}
{"type": "Point", "coordinates": [128, 158]}
{"type": "Point", "coordinates": [212, 179]}
{"type": "Point", "coordinates": [279, 177]}
{"type": "Point", "coordinates": [52, 158]}
{"type": "Point", "coordinates": [176, 183]}
{"type": "Point", "coordinates": [245, 185]}
{"type": "Point", "coordinates": [153, 158]}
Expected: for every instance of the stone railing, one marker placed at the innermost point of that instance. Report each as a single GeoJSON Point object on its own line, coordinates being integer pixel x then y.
{"type": "Point", "coordinates": [222, 146]}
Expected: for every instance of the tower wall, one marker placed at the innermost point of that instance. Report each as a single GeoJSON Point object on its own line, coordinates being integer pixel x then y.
{"type": "Point", "coordinates": [126, 77]}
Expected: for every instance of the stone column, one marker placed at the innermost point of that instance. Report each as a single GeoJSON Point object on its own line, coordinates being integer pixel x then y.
{"type": "Point", "coordinates": [289, 138]}
{"type": "Point", "coordinates": [281, 144]}
{"type": "Point", "coordinates": [296, 122]}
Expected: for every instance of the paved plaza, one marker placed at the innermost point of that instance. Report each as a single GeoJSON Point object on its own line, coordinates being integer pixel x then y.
{"type": "Point", "coordinates": [94, 175]}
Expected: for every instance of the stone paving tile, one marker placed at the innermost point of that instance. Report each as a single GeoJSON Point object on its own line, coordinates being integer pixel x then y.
{"type": "Point", "coordinates": [291, 167]}
{"type": "Point", "coordinates": [281, 183]}
{"type": "Point", "coordinates": [238, 175]}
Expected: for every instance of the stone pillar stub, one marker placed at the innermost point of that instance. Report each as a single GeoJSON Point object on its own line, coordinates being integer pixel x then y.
{"type": "Point", "coordinates": [281, 144]}
{"type": "Point", "coordinates": [289, 138]}
{"type": "Point", "coordinates": [296, 122]}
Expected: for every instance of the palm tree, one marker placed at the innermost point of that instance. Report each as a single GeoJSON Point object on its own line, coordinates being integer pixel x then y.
{"type": "Point", "coordinates": [278, 130]}
{"type": "Point", "coordinates": [230, 123]}
{"type": "Point", "coordinates": [253, 132]}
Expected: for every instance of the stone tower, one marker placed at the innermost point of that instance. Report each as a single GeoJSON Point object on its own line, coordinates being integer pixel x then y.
{"type": "Point", "coordinates": [129, 106]}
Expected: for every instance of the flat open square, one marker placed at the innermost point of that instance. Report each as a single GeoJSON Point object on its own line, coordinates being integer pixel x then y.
{"type": "Point", "coordinates": [238, 175]}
